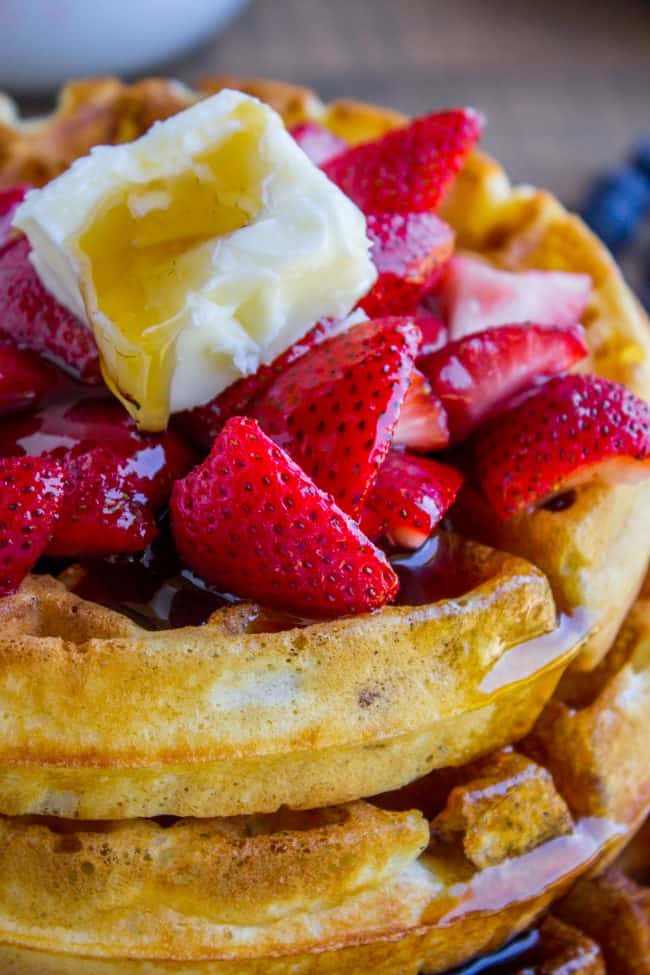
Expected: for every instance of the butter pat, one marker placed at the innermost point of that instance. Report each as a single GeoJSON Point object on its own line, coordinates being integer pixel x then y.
{"type": "Point", "coordinates": [200, 251]}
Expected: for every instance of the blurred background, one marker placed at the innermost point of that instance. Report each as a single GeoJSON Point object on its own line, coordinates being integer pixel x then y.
{"type": "Point", "coordinates": [565, 84]}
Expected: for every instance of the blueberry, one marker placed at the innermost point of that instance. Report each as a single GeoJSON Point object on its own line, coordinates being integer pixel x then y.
{"type": "Point", "coordinates": [615, 205]}
{"type": "Point", "coordinates": [641, 157]}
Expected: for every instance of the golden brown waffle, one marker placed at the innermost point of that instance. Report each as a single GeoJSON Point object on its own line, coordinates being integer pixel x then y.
{"type": "Point", "coordinates": [502, 843]}
{"type": "Point", "coordinates": [419, 879]}
{"type": "Point", "coordinates": [101, 720]}
{"type": "Point", "coordinates": [228, 719]}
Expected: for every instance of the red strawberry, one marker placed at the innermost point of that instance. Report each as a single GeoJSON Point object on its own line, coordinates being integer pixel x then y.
{"type": "Point", "coordinates": [31, 492]}
{"type": "Point", "coordinates": [334, 411]}
{"type": "Point", "coordinates": [249, 520]}
{"type": "Point", "coordinates": [474, 376]}
{"type": "Point", "coordinates": [25, 379]}
{"type": "Point", "coordinates": [34, 320]}
{"type": "Point", "coordinates": [410, 496]}
{"type": "Point", "coordinates": [317, 142]}
{"type": "Point", "coordinates": [570, 429]}
{"type": "Point", "coordinates": [408, 249]}
{"type": "Point", "coordinates": [10, 199]}
{"type": "Point", "coordinates": [474, 296]}
{"type": "Point", "coordinates": [434, 332]}
{"type": "Point", "coordinates": [105, 510]}
{"type": "Point", "coordinates": [65, 427]}
{"type": "Point", "coordinates": [203, 424]}
{"type": "Point", "coordinates": [409, 169]}
{"type": "Point", "coordinates": [422, 423]}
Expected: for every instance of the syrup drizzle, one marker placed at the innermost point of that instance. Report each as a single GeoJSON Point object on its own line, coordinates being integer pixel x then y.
{"type": "Point", "coordinates": [433, 572]}
{"type": "Point", "coordinates": [510, 959]}
{"type": "Point", "coordinates": [152, 588]}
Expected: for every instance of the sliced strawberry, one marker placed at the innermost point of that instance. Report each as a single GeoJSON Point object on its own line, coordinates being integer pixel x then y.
{"type": "Point", "coordinates": [408, 249]}
{"type": "Point", "coordinates": [409, 169]}
{"type": "Point", "coordinates": [25, 379]}
{"type": "Point", "coordinates": [317, 142]}
{"type": "Point", "coordinates": [334, 411]}
{"type": "Point", "coordinates": [203, 424]}
{"type": "Point", "coordinates": [31, 493]}
{"type": "Point", "coordinates": [249, 520]}
{"type": "Point", "coordinates": [34, 320]}
{"type": "Point", "coordinates": [410, 497]}
{"type": "Point", "coordinates": [434, 332]}
{"type": "Point", "coordinates": [422, 423]}
{"type": "Point", "coordinates": [474, 296]}
{"type": "Point", "coordinates": [106, 508]}
{"type": "Point", "coordinates": [61, 428]}
{"type": "Point", "coordinates": [474, 376]}
{"type": "Point", "coordinates": [10, 199]}
{"type": "Point", "coordinates": [570, 429]}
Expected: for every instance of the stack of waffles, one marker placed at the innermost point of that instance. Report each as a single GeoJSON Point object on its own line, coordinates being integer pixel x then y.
{"type": "Point", "coordinates": [392, 793]}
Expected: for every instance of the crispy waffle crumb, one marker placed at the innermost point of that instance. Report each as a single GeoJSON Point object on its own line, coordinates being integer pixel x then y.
{"type": "Point", "coordinates": [508, 807]}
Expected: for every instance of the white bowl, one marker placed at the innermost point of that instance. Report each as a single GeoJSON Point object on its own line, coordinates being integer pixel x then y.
{"type": "Point", "coordinates": [45, 42]}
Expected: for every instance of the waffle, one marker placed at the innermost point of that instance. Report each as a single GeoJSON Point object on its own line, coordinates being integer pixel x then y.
{"type": "Point", "coordinates": [467, 841]}
{"type": "Point", "coordinates": [417, 879]}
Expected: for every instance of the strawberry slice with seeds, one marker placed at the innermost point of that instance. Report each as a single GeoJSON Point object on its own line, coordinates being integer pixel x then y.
{"type": "Point", "coordinates": [474, 376]}
{"type": "Point", "coordinates": [408, 250]}
{"type": "Point", "coordinates": [409, 498]}
{"type": "Point", "coordinates": [422, 424]}
{"type": "Point", "coordinates": [203, 423]}
{"type": "Point", "coordinates": [10, 199]}
{"type": "Point", "coordinates": [474, 296]}
{"type": "Point", "coordinates": [25, 379]}
{"type": "Point", "coordinates": [33, 319]}
{"type": "Point", "coordinates": [335, 410]}
{"type": "Point", "coordinates": [31, 494]}
{"type": "Point", "coordinates": [409, 169]}
{"type": "Point", "coordinates": [317, 142]}
{"type": "Point", "coordinates": [105, 510]}
{"type": "Point", "coordinates": [569, 430]}
{"type": "Point", "coordinates": [249, 520]}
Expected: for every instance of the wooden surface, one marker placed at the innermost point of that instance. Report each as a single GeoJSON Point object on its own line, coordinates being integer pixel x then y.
{"type": "Point", "coordinates": [565, 83]}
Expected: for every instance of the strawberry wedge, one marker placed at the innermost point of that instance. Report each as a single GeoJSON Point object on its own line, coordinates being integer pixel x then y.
{"type": "Point", "coordinates": [474, 376]}
{"type": "Point", "coordinates": [569, 430]}
{"type": "Point", "coordinates": [410, 496]}
{"type": "Point", "coordinates": [33, 319]}
{"type": "Point", "coordinates": [474, 296]}
{"type": "Point", "coordinates": [334, 411]}
{"type": "Point", "coordinates": [10, 199]}
{"type": "Point", "coordinates": [422, 425]}
{"type": "Point", "coordinates": [106, 509]}
{"type": "Point", "coordinates": [203, 423]}
{"type": "Point", "coordinates": [408, 250]}
{"type": "Point", "coordinates": [409, 169]}
{"type": "Point", "coordinates": [250, 521]}
{"type": "Point", "coordinates": [31, 494]}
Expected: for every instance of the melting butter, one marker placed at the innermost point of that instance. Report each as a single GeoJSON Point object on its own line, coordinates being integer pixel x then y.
{"type": "Point", "coordinates": [198, 252]}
